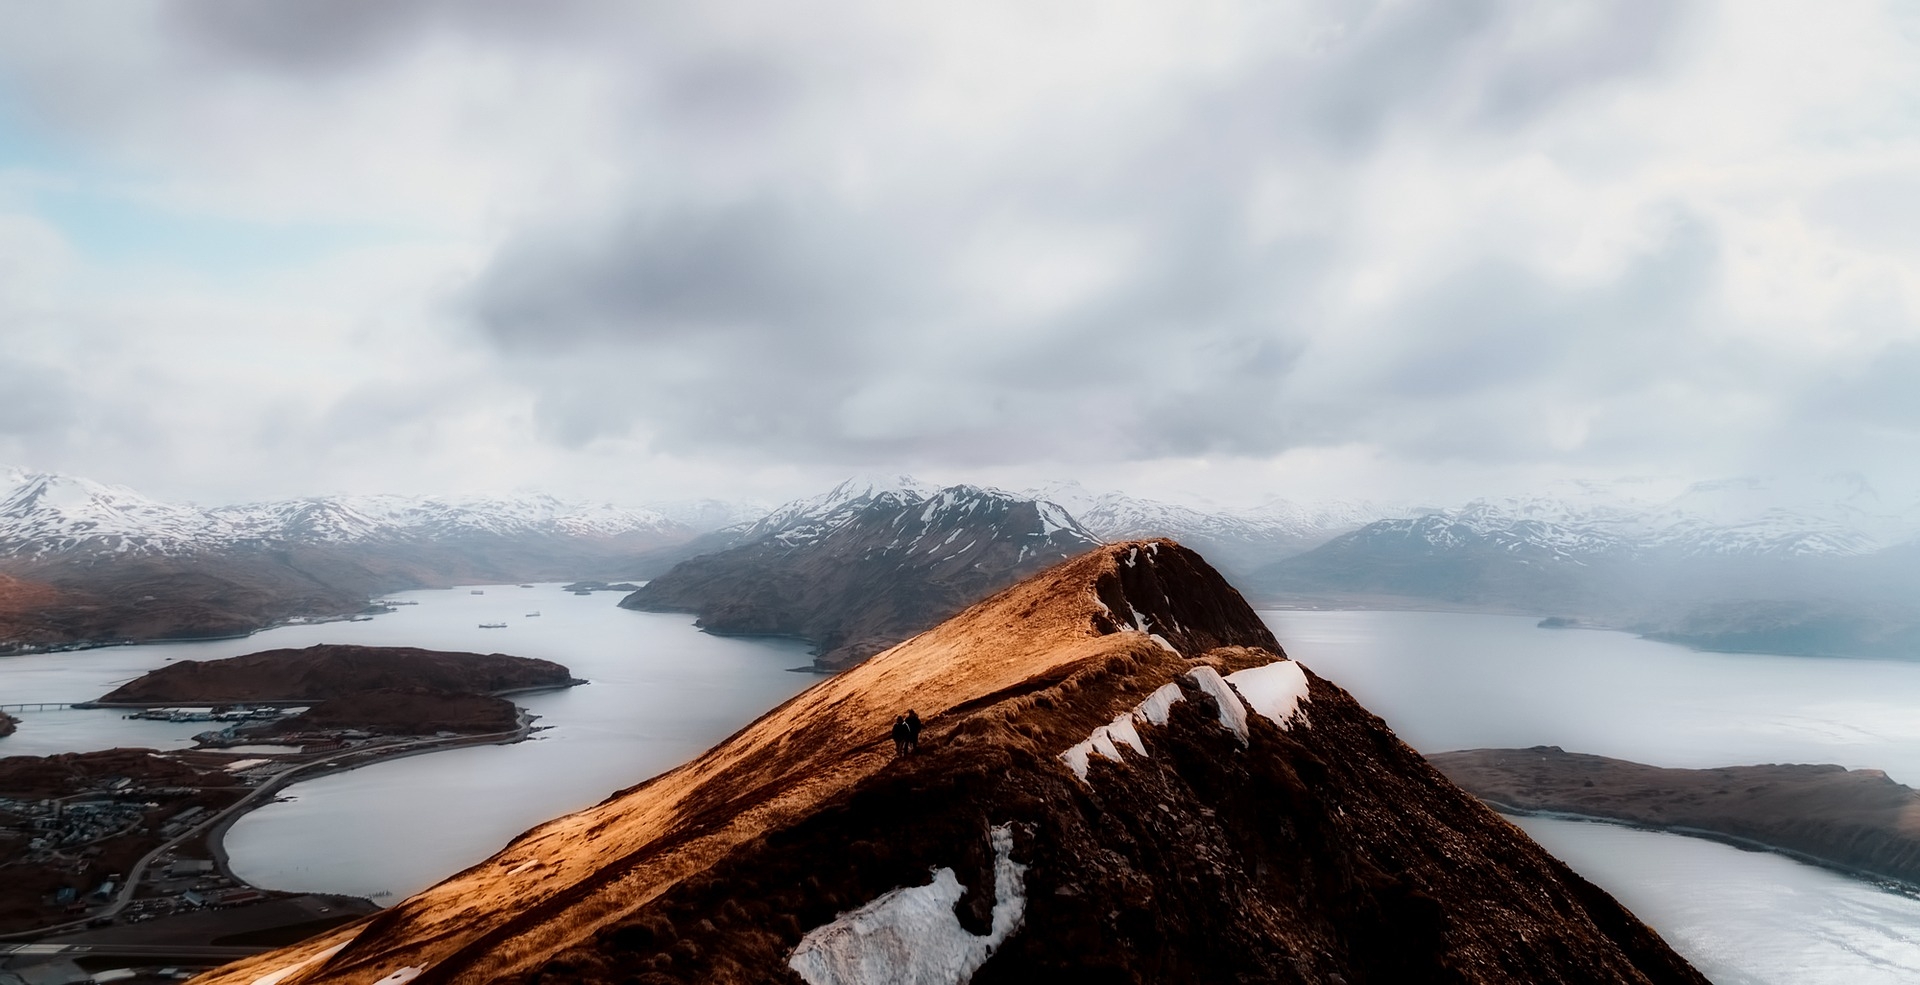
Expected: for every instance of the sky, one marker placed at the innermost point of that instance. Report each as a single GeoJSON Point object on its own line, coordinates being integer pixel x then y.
{"type": "Point", "coordinates": [1216, 251]}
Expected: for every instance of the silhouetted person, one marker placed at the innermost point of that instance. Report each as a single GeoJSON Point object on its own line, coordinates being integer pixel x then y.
{"type": "Point", "coordinates": [902, 735]}
{"type": "Point", "coordinates": [913, 731]}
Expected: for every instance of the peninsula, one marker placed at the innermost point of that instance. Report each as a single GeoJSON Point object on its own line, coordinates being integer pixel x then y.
{"type": "Point", "coordinates": [1857, 821]}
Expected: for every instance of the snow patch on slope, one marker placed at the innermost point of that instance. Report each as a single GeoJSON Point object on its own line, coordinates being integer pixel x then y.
{"type": "Point", "coordinates": [1274, 690]}
{"type": "Point", "coordinates": [1233, 714]}
{"type": "Point", "coordinates": [911, 936]}
{"type": "Point", "coordinates": [282, 974]}
{"type": "Point", "coordinates": [1105, 741]}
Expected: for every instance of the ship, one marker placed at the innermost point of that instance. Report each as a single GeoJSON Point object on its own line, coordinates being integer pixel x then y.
{"type": "Point", "coordinates": [493, 625]}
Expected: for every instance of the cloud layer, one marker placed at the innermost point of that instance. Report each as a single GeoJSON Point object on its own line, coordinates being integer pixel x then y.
{"type": "Point", "coordinates": [643, 246]}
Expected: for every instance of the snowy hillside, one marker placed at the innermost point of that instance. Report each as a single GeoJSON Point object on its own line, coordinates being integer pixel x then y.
{"type": "Point", "coordinates": [48, 515]}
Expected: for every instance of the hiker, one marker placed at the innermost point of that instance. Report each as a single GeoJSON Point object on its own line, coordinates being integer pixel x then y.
{"type": "Point", "coordinates": [913, 731]}
{"type": "Point", "coordinates": [902, 735]}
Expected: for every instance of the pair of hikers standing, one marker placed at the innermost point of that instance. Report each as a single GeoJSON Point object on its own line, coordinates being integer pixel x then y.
{"type": "Point", "coordinates": [906, 733]}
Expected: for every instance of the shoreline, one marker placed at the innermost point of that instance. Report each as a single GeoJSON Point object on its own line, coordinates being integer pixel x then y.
{"type": "Point", "coordinates": [570, 682]}
{"type": "Point", "coordinates": [1878, 879]}
{"type": "Point", "coordinates": [214, 829]}
{"type": "Point", "coordinates": [1850, 822]}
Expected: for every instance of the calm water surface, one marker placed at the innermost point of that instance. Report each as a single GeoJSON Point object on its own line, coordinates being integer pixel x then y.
{"type": "Point", "coordinates": [1457, 681]}
{"type": "Point", "coordinates": [662, 691]}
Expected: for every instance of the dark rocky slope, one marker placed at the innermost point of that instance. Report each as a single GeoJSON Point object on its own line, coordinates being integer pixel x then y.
{"type": "Point", "coordinates": [1296, 842]}
{"type": "Point", "coordinates": [326, 671]}
{"type": "Point", "coordinates": [870, 572]}
{"type": "Point", "coordinates": [1859, 820]}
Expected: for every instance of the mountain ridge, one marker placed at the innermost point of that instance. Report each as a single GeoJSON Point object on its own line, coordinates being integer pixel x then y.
{"type": "Point", "coordinates": [1252, 823]}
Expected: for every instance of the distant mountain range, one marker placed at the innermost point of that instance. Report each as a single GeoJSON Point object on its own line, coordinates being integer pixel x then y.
{"type": "Point", "coordinates": [1237, 540]}
{"type": "Point", "coordinates": [1822, 566]}
{"type": "Point", "coordinates": [1740, 565]}
{"type": "Point", "coordinates": [46, 515]}
{"type": "Point", "coordinates": [82, 562]}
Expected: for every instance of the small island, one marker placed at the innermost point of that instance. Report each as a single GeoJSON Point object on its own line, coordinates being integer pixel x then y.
{"type": "Point", "coordinates": [96, 843]}
{"type": "Point", "coordinates": [1857, 821]}
{"type": "Point", "coordinates": [7, 724]}
{"type": "Point", "coordinates": [590, 587]}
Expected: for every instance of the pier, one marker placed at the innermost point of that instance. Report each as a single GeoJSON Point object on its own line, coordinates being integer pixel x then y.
{"type": "Point", "coordinates": [38, 706]}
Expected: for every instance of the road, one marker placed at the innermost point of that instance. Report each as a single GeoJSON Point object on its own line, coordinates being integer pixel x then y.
{"type": "Point", "coordinates": [360, 757]}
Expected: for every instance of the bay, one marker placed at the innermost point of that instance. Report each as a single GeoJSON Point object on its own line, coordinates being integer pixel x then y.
{"type": "Point", "coordinates": [1458, 681]}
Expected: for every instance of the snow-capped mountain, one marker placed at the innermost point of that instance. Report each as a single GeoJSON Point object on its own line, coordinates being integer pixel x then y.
{"type": "Point", "coordinates": [867, 563]}
{"type": "Point", "coordinates": [1768, 550]}
{"type": "Point", "coordinates": [806, 519]}
{"type": "Point", "coordinates": [1703, 522]}
{"type": "Point", "coordinates": [45, 515]}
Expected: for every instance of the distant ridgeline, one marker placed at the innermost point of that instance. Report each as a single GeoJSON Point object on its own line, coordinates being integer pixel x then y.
{"type": "Point", "coordinates": [863, 568]}
{"type": "Point", "coordinates": [83, 563]}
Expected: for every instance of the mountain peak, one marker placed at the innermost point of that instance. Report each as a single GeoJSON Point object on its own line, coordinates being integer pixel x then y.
{"type": "Point", "coordinates": [1089, 802]}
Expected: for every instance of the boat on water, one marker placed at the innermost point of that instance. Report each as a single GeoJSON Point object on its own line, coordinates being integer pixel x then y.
{"type": "Point", "coordinates": [476, 591]}
{"type": "Point", "coordinates": [493, 625]}
{"type": "Point", "coordinates": [532, 614]}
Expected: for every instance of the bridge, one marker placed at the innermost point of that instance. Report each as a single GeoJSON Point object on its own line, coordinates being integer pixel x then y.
{"type": "Point", "coordinates": [37, 706]}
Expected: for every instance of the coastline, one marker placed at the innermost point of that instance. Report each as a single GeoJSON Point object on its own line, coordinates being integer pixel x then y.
{"type": "Point", "coordinates": [1878, 879]}
{"type": "Point", "coordinates": [213, 830]}
{"type": "Point", "coordinates": [216, 828]}
{"type": "Point", "coordinates": [1853, 822]}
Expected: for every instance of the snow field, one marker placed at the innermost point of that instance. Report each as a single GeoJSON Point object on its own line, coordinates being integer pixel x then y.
{"type": "Point", "coordinates": [910, 935]}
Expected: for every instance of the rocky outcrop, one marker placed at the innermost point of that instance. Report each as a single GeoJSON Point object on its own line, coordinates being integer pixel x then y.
{"type": "Point", "coordinates": [1858, 820]}
{"type": "Point", "coordinates": [7, 724]}
{"type": "Point", "coordinates": [1122, 779]}
{"type": "Point", "coordinates": [327, 671]}
{"type": "Point", "coordinates": [864, 574]}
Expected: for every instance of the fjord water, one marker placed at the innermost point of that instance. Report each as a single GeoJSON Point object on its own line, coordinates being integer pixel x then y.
{"type": "Point", "coordinates": [1457, 681]}
{"type": "Point", "coordinates": [662, 691]}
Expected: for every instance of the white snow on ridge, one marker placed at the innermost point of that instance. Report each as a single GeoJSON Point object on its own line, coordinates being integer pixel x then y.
{"type": "Point", "coordinates": [1159, 704]}
{"type": "Point", "coordinates": [1233, 714]}
{"type": "Point", "coordinates": [1274, 690]}
{"type": "Point", "coordinates": [910, 935]}
{"type": "Point", "coordinates": [279, 975]}
{"type": "Point", "coordinates": [1106, 741]}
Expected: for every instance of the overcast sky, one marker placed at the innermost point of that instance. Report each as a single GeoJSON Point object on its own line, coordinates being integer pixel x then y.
{"type": "Point", "coordinates": [1416, 251]}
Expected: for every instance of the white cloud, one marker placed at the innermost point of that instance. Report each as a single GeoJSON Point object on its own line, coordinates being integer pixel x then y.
{"type": "Point", "coordinates": [1393, 243]}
